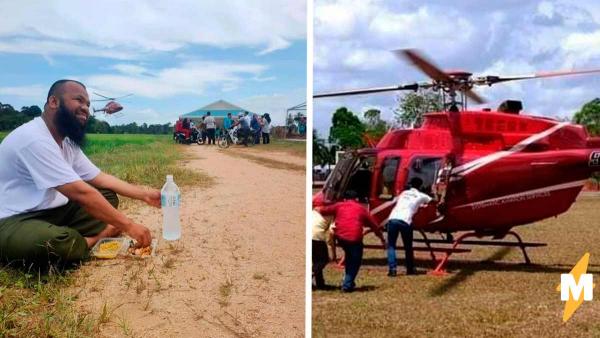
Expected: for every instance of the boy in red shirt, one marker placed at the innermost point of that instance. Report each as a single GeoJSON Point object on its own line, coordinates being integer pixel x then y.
{"type": "Point", "coordinates": [350, 218]}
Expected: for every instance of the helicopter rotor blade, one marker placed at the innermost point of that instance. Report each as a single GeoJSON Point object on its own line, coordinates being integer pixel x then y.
{"type": "Point", "coordinates": [474, 96]}
{"type": "Point", "coordinates": [106, 97]}
{"type": "Point", "coordinates": [490, 80]}
{"type": "Point", "coordinates": [427, 67]}
{"type": "Point", "coordinates": [413, 86]}
{"type": "Point", "coordinates": [121, 97]}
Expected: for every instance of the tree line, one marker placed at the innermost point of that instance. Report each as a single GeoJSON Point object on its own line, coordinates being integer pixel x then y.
{"type": "Point", "coordinates": [10, 118]}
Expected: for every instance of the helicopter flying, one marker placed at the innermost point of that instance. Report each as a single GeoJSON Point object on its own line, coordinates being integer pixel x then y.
{"type": "Point", "coordinates": [111, 106]}
{"type": "Point", "coordinates": [489, 171]}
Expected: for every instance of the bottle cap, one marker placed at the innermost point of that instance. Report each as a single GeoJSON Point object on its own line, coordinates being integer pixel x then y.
{"type": "Point", "coordinates": [169, 177]}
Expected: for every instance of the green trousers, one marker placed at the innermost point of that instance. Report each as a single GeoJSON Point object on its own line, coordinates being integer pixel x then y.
{"type": "Point", "coordinates": [52, 235]}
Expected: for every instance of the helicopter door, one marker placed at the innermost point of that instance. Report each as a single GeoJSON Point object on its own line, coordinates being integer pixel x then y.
{"type": "Point", "coordinates": [428, 170]}
{"type": "Point", "coordinates": [360, 177]}
{"type": "Point", "coordinates": [338, 179]}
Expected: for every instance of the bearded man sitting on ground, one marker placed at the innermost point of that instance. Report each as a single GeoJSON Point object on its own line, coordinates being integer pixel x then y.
{"type": "Point", "coordinates": [55, 204]}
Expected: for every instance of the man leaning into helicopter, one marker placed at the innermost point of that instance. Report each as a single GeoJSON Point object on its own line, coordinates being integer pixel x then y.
{"type": "Point", "coordinates": [54, 202]}
{"type": "Point", "coordinates": [400, 221]}
{"type": "Point", "coordinates": [350, 218]}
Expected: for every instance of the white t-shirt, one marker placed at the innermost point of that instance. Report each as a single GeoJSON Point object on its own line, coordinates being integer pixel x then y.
{"type": "Point", "coordinates": [407, 205]}
{"type": "Point", "coordinates": [248, 119]}
{"type": "Point", "coordinates": [320, 226]}
{"type": "Point", "coordinates": [210, 122]}
{"type": "Point", "coordinates": [32, 165]}
{"type": "Point", "coordinates": [266, 128]}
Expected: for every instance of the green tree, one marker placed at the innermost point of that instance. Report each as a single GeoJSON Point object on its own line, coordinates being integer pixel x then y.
{"type": "Point", "coordinates": [412, 106]}
{"type": "Point", "coordinates": [33, 111]}
{"type": "Point", "coordinates": [589, 116]}
{"type": "Point", "coordinates": [321, 154]}
{"type": "Point", "coordinates": [375, 126]}
{"type": "Point", "coordinates": [346, 129]}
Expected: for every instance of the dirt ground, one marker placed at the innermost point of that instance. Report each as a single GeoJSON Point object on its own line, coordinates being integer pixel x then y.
{"type": "Point", "coordinates": [238, 270]}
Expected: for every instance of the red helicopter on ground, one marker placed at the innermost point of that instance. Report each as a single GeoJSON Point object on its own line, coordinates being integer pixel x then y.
{"type": "Point", "coordinates": [489, 170]}
{"type": "Point", "coordinates": [112, 106]}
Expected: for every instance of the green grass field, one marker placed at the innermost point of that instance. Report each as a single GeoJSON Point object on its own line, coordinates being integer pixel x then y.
{"type": "Point", "coordinates": [488, 293]}
{"type": "Point", "coordinates": [295, 148]}
{"type": "Point", "coordinates": [34, 305]}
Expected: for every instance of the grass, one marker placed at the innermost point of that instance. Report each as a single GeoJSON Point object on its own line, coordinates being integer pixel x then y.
{"type": "Point", "coordinates": [489, 292]}
{"type": "Point", "coordinates": [225, 290]}
{"type": "Point", "coordinates": [142, 159]}
{"type": "Point", "coordinates": [33, 305]}
{"type": "Point", "coordinates": [295, 148]}
{"type": "Point", "coordinates": [40, 306]}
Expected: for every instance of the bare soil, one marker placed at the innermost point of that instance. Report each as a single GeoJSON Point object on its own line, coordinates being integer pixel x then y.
{"type": "Point", "coordinates": [237, 271]}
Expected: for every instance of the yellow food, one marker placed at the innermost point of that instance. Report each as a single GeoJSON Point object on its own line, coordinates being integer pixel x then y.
{"type": "Point", "coordinates": [109, 246]}
{"type": "Point", "coordinates": [108, 249]}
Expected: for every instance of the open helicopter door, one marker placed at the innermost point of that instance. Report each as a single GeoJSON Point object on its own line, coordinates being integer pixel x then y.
{"type": "Point", "coordinates": [442, 181]}
{"type": "Point", "coordinates": [337, 181]}
{"type": "Point", "coordinates": [428, 169]}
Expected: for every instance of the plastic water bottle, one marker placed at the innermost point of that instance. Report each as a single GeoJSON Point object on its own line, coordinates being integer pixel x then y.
{"type": "Point", "coordinates": [170, 199]}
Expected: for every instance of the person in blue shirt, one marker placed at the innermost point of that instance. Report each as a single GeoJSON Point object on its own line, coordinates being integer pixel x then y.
{"type": "Point", "coordinates": [227, 122]}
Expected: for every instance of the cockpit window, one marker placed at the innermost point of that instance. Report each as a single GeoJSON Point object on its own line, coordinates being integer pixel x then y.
{"type": "Point", "coordinates": [425, 168]}
{"type": "Point", "coordinates": [388, 177]}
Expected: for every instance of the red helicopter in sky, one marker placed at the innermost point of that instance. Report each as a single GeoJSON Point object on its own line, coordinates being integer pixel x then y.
{"type": "Point", "coordinates": [112, 106]}
{"type": "Point", "coordinates": [489, 170]}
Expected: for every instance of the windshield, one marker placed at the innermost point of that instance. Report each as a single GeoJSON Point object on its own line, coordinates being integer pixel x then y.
{"type": "Point", "coordinates": [338, 176]}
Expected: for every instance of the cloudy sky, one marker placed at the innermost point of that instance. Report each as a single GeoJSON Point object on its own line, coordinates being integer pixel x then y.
{"type": "Point", "coordinates": [509, 37]}
{"type": "Point", "coordinates": [174, 56]}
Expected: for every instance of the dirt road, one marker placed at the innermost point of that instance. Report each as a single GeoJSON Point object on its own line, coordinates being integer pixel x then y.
{"type": "Point", "coordinates": [238, 270]}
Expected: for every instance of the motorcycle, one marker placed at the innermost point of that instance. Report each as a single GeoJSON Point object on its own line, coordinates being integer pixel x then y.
{"type": "Point", "coordinates": [232, 136]}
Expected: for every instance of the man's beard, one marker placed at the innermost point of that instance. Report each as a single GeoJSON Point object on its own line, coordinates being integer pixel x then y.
{"type": "Point", "coordinates": [69, 126]}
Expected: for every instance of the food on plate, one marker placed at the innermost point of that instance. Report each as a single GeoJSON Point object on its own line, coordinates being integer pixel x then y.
{"type": "Point", "coordinates": [141, 252]}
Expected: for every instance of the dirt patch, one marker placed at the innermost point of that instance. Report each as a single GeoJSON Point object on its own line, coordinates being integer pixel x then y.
{"type": "Point", "coordinates": [278, 160]}
{"type": "Point", "coordinates": [237, 272]}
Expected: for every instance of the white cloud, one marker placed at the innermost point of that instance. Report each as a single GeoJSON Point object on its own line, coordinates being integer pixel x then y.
{"type": "Point", "coordinates": [188, 78]}
{"type": "Point", "coordinates": [118, 29]}
{"type": "Point", "coordinates": [276, 44]}
{"type": "Point", "coordinates": [582, 45]}
{"type": "Point", "coordinates": [26, 92]}
{"type": "Point", "coordinates": [130, 69]}
{"type": "Point", "coordinates": [486, 38]}
{"type": "Point", "coordinates": [274, 104]}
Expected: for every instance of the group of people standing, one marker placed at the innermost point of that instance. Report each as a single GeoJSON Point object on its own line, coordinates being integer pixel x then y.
{"type": "Point", "coordinates": [252, 126]}
{"type": "Point", "coordinates": [345, 221]}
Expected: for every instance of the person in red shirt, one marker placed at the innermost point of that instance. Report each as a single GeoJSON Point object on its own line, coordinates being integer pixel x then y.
{"type": "Point", "coordinates": [350, 219]}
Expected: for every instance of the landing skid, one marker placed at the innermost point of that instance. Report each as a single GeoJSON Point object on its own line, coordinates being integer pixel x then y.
{"type": "Point", "coordinates": [440, 269]}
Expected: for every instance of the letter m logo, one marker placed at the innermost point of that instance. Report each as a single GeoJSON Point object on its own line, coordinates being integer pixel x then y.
{"type": "Point", "coordinates": [568, 285]}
